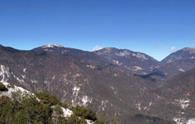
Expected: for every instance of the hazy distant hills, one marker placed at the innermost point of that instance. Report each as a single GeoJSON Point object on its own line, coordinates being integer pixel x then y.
{"type": "Point", "coordinates": [113, 82]}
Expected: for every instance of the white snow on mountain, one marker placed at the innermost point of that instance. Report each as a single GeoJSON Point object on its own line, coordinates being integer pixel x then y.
{"type": "Point", "coordinates": [181, 70]}
{"type": "Point", "coordinates": [183, 103]}
{"type": "Point", "coordinates": [86, 100]}
{"type": "Point", "coordinates": [66, 112]}
{"type": "Point", "coordinates": [137, 68]}
{"type": "Point", "coordinates": [51, 46]}
{"type": "Point", "coordinates": [179, 120]}
{"type": "Point", "coordinates": [191, 121]}
{"type": "Point", "coordinates": [124, 53]}
{"type": "Point", "coordinates": [4, 73]}
{"type": "Point", "coordinates": [140, 55]}
{"type": "Point", "coordinates": [89, 122]}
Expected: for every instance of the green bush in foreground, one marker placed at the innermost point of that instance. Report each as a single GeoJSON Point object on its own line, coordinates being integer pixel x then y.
{"type": "Point", "coordinates": [47, 99]}
{"type": "Point", "coordinates": [85, 113]}
{"type": "Point", "coordinates": [28, 111]}
{"type": "Point", "coordinates": [31, 111]}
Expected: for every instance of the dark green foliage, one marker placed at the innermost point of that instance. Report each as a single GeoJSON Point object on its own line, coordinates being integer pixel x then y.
{"type": "Point", "coordinates": [32, 111]}
{"type": "Point", "coordinates": [6, 110]}
{"type": "Point", "coordinates": [85, 113]}
{"type": "Point", "coordinates": [72, 120]}
{"type": "Point", "coordinates": [75, 120]}
{"type": "Point", "coordinates": [2, 87]}
{"type": "Point", "coordinates": [47, 99]}
{"type": "Point", "coordinates": [27, 111]}
{"type": "Point", "coordinates": [66, 104]}
{"type": "Point", "coordinates": [58, 110]}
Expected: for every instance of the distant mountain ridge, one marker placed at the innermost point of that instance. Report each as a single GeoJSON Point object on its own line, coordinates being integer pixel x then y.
{"type": "Point", "coordinates": [179, 61]}
{"type": "Point", "coordinates": [73, 75]}
{"type": "Point", "coordinates": [119, 84]}
{"type": "Point", "coordinates": [133, 61]}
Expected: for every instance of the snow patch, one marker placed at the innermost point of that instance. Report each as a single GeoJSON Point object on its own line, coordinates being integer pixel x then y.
{"type": "Point", "coordinates": [141, 107]}
{"type": "Point", "coordinates": [116, 62]}
{"type": "Point", "coordinates": [23, 76]}
{"type": "Point", "coordinates": [179, 120]}
{"type": "Point", "coordinates": [24, 70]}
{"type": "Point", "coordinates": [77, 75]}
{"type": "Point", "coordinates": [108, 50]}
{"type": "Point", "coordinates": [138, 106]}
{"type": "Point", "coordinates": [137, 68]}
{"type": "Point", "coordinates": [15, 89]}
{"type": "Point", "coordinates": [115, 75]}
{"type": "Point", "coordinates": [183, 103]}
{"type": "Point", "coordinates": [123, 54]}
{"type": "Point", "coordinates": [4, 73]}
{"type": "Point", "coordinates": [85, 100]}
{"type": "Point", "coordinates": [104, 104]}
{"type": "Point", "coordinates": [76, 90]}
{"type": "Point", "coordinates": [34, 81]}
{"type": "Point", "coordinates": [140, 56]}
{"type": "Point", "coordinates": [51, 46]}
{"type": "Point", "coordinates": [193, 57]}
{"type": "Point", "coordinates": [66, 112]}
{"type": "Point", "coordinates": [150, 104]}
{"type": "Point", "coordinates": [54, 77]}
{"type": "Point", "coordinates": [91, 66]}
{"type": "Point", "coordinates": [20, 80]}
{"type": "Point", "coordinates": [191, 121]}
{"type": "Point", "coordinates": [46, 82]}
{"type": "Point", "coordinates": [89, 122]}
{"type": "Point", "coordinates": [169, 61]}
{"type": "Point", "coordinates": [181, 70]}
{"type": "Point", "coordinates": [114, 90]}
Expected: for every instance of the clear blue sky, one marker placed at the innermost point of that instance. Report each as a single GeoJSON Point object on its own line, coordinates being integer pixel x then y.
{"type": "Point", "coordinates": [156, 27]}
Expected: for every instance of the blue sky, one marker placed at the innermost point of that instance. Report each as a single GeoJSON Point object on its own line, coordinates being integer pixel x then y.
{"type": "Point", "coordinates": [156, 27]}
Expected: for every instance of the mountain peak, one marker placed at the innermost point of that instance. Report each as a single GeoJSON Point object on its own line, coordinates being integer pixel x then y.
{"type": "Point", "coordinates": [108, 49]}
{"type": "Point", "coordinates": [52, 46]}
{"type": "Point", "coordinates": [114, 49]}
{"type": "Point", "coordinates": [185, 53]}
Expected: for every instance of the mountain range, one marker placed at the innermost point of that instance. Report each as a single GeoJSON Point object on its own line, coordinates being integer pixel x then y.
{"type": "Point", "coordinates": [122, 86]}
